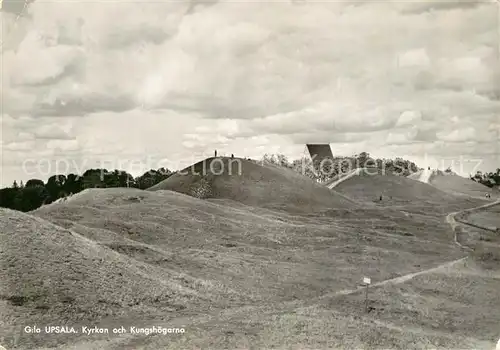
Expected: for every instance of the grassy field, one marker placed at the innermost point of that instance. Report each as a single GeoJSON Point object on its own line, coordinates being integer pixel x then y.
{"type": "Point", "coordinates": [243, 269]}
{"type": "Point", "coordinates": [488, 218]}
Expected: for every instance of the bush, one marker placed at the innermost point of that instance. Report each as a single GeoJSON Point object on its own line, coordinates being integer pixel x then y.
{"type": "Point", "coordinates": [201, 189]}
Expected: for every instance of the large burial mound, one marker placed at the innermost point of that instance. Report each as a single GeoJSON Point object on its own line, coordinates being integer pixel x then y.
{"type": "Point", "coordinates": [459, 185]}
{"type": "Point", "coordinates": [403, 192]}
{"type": "Point", "coordinates": [454, 184]}
{"type": "Point", "coordinates": [249, 183]}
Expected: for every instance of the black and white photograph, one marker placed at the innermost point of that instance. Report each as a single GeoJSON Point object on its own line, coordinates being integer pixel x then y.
{"type": "Point", "coordinates": [250, 174]}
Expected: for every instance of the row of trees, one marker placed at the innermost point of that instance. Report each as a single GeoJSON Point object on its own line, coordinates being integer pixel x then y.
{"type": "Point", "coordinates": [35, 192]}
{"type": "Point", "coordinates": [490, 179]}
{"type": "Point", "coordinates": [341, 165]}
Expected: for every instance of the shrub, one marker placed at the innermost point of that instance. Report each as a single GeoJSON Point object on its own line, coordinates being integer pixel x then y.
{"type": "Point", "coordinates": [201, 189]}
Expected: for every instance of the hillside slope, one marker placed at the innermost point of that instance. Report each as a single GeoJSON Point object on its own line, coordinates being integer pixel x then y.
{"type": "Point", "coordinates": [403, 192]}
{"type": "Point", "coordinates": [53, 276]}
{"type": "Point", "coordinates": [244, 181]}
{"type": "Point", "coordinates": [452, 183]}
{"type": "Point", "coordinates": [459, 185]}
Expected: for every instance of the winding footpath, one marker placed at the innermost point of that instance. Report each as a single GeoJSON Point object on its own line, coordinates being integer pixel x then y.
{"type": "Point", "coordinates": [451, 219]}
{"type": "Point", "coordinates": [345, 177]}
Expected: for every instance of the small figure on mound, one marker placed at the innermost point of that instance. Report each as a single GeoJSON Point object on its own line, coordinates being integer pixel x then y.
{"type": "Point", "coordinates": [381, 198]}
{"type": "Point", "coordinates": [215, 153]}
{"type": "Point", "coordinates": [232, 156]}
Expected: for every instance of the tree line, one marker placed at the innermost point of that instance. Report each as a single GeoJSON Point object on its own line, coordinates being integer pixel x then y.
{"type": "Point", "coordinates": [490, 179]}
{"type": "Point", "coordinates": [35, 193]}
{"type": "Point", "coordinates": [341, 165]}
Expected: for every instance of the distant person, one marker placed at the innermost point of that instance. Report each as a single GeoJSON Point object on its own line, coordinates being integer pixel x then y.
{"type": "Point", "coordinates": [215, 153]}
{"type": "Point", "coordinates": [232, 156]}
{"type": "Point", "coordinates": [429, 168]}
{"type": "Point", "coordinates": [381, 198]}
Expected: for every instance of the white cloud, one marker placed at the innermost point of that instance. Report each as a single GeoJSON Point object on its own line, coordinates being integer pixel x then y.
{"type": "Point", "coordinates": [402, 137]}
{"type": "Point", "coordinates": [64, 145]}
{"type": "Point", "coordinates": [409, 118]}
{"type": "Point", "coordinates": [19, 146]}
{"type": "Point", "coordinates": [414, 58]}
{"type": "Point", "coordinates": [54, 132]}
{"type": "Point", "coordinates": [50, 61]}
{"type": "Point", "coordinates": [460, 135]}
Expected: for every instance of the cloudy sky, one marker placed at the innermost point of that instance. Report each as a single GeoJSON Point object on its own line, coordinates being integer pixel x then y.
{"type": "Point", "coordinates": [136, 85]}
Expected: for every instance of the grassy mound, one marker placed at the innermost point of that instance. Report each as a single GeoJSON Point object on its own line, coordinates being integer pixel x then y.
{"type": "Point", "coordinates": [401, 191]}
{"type": "Point", "coordinates": [54, 276]}
{"type": "Point", "coordinates": [457, 185]}
{"type": "Point", "coordinates": [253, 184]}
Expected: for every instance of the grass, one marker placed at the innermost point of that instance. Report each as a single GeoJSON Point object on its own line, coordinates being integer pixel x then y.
{"type": "Point", "coordinates": [458, 185]}
{"type": "Point", "coordinates": [52, 275]}
{"type": "Point", "coordinates": [404, 193]}
{"type": "Point", "coordinates": [488, 218]}
{"type": "Point", "coordinates": [488, 256]}
{"type": "Point", "coordinates": [253, 271]}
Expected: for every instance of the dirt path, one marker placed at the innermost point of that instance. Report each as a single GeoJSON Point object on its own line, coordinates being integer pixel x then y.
{"type": "Point", "coordinates": [397, 280]}
{"type": "Point", "coordinates": [345, 177]}
{"type": "Point", "coordinates": [450, 219]}
{"type": "Point", "coordinates": [425, 176]}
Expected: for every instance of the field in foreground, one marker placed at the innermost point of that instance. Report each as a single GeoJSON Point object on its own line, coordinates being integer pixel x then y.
{"type": "Point", "coordinates": [241, 273]}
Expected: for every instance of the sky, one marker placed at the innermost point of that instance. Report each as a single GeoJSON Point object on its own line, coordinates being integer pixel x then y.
{"type": "Point", "coordinates": [140, 85]}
